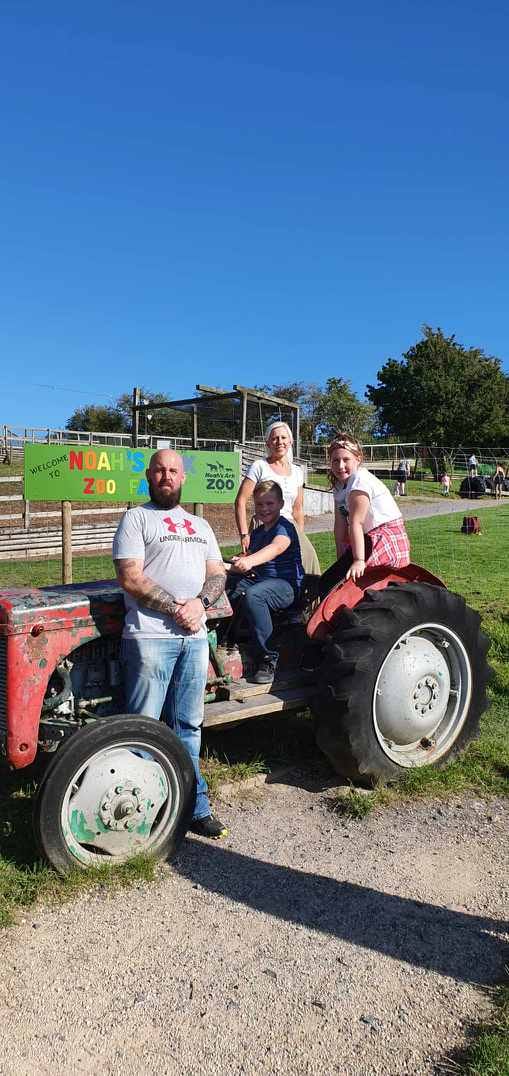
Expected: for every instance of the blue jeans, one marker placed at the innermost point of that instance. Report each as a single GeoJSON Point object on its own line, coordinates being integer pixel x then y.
{"type": "Point", "coordinates": [166, 678]}
{"type": "Point", "coordinates": [259, 597]}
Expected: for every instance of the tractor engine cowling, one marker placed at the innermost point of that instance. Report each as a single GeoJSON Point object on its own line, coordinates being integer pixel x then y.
{"type": "Point", "coordinates": [39, 631]}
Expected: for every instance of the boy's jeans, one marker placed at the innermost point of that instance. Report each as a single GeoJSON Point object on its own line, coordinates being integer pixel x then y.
{"type": "Point", "coordinates": [259, 598]}
{"type": "Point", "coordinates": [166, 678]}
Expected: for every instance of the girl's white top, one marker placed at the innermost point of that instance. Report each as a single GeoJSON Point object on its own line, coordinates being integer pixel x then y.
{"type": "Point", "coordinates": [290, 484]}
{"type": "Point", "coordinates": [382, 506]}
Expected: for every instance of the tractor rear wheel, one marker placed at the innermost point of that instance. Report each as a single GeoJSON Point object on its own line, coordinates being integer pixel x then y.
{"type": "Point", "coordinates": [120, 786]}
{"type": "Point", "coordinates": [402, 684]}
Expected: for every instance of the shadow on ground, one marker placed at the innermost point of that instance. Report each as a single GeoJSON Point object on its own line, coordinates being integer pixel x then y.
{"type": "Point", "coordinates": [468, 948]}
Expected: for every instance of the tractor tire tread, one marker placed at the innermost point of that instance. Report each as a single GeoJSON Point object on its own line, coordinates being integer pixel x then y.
{"type": "Point", "coordinates": [342, 707]}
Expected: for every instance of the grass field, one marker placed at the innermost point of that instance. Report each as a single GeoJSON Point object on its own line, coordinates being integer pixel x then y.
{"type": "Point", "coordinates": [15, 467]}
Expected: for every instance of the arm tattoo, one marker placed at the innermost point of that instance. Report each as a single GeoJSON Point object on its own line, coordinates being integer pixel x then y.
{"type": "Point", "coordinates": [147, 592]}
{"type": "Point", "coordinates": [159, 599]}
{"type": "Point", "coordinates": [213, 587]}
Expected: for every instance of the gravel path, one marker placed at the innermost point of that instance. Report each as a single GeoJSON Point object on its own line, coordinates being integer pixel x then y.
{"type": "Point", "coordinates": [303, 944]}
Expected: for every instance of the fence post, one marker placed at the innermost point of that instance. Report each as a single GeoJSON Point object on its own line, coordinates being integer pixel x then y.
{"type": "Point", "coordinates": [66, 542]}
{"type": "Point", "coordinates": [7, 454]}
{"type": "Point", "coordinates": [198, 508]}
{"type": "Point", "coordinates": [26, 515]}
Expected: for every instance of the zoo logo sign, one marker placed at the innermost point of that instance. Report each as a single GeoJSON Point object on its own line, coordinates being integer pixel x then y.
{"type": "Point", "coordinates": [219, 476]}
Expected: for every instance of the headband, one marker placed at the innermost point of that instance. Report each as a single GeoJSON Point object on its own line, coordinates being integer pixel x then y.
{"type": "Point", "coordinates": [344, 442]}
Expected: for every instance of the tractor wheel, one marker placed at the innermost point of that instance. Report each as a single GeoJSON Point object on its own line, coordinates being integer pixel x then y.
{"type": "Point", "coordinates": [119, 786]}
{"type": "Point", "coordinates": [402, 684]}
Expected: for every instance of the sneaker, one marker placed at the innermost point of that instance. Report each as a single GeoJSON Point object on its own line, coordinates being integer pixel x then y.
{"type": "Point", "coordinates": [265, 672]}
{"type": "Point", "coordinates": [210, 827]}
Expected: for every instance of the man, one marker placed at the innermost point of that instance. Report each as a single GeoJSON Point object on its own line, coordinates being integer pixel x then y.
{"type": "Point", "coordinates": [169, 565]}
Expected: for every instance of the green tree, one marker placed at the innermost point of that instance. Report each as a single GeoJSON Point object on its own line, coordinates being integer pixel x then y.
{"type": "Point", "coordinates": [338, 408]}
{"type": "Point", "coordinates": [308, 395]}
{"type": "Point", "coordinates": [163, 422]}
{"type": "Point", "coordinates": [98, 418]}
{"type": "Point", "coordinates": [443, 393]}
{"type": "Point", "coordinates": [117, 417]}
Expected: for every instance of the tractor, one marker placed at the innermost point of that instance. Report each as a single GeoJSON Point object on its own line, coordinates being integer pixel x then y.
{"type": "Point", "coordinates": [393, 668]}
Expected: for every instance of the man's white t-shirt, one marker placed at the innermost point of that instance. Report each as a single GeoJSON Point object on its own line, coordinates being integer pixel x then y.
{"type": "Point", "coordinates": [261, 470]}
{"type": "Point", "coordinates": [382, 506]}
{"type": "Point", "coordinates": [174, 547]}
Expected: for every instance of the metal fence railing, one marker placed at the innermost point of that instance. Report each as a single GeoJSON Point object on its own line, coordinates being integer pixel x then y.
{"type": "Point", "coordinates": [380, 456]}
{"type": "Point", "coordinates": [13, 439]}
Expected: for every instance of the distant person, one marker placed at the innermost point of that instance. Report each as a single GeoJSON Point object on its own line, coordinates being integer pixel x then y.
{"type": "Point", "coordinates": [369, 529]}
{"type": "Point", "coordinates": [402, 473]}
{"type": "Point", "coordinates": [445, 483]}
{"type": "Point", "coordinates": [472, 466]}
{"type": "Point", "coordinates": [271, 574]}
{"type": "Point", "coordinates": [278, 466]}
{"type": "Point", "coordinates": [498, 482]}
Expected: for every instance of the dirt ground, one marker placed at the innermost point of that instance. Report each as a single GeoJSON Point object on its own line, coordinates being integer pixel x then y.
{"type": "Point", "coordinates": [302, 944]}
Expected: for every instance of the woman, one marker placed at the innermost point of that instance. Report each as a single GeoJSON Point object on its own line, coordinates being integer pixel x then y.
{"type": "Point", "coordinates": [368, 525]}
{"type": "Point", "coordinates": [278, 466]}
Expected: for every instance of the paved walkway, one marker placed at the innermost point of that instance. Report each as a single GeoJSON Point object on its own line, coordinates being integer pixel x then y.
{"type": "Point", "coordinates": [415, 508]}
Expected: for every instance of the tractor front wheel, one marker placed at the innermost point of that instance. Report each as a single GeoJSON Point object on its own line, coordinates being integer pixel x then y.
{"type": "Point", "coordinates": [403, 682]}
{"type": "Point", "coordinates": [119, 786]}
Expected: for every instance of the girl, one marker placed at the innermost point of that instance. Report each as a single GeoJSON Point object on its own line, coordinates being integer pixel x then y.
{"type": "Point", "coordinates": [368, 525]}
{"type": "Point", "coordinates": [498, 482]}
{"type": "Point", "coordinates": [278, 467]}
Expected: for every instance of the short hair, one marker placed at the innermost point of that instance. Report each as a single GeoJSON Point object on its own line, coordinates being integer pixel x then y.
{"type": "Point", "coordinates": [268, 485]}
{"type": "Point", "coordinates": [274, 424]}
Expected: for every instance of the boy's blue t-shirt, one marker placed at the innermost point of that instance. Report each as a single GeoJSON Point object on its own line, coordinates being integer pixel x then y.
{"type": "Point", "coordinates": [289, 564]}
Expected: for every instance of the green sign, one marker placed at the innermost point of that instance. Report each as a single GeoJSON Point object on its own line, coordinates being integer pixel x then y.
{"type": "Point", "coordinates": [103, 473]}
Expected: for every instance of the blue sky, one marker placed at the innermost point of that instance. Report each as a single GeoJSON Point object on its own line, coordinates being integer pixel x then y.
{"type": "Point", "coordinates": [251, 193]}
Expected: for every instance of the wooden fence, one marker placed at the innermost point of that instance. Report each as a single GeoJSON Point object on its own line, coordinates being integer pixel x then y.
{"type": "Point", "coordinates": [41, 543]}
{"type": "Point", "coordinates": [32, 540]}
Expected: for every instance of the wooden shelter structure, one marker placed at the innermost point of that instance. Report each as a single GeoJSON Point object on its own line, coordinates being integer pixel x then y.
{"type": "Point", "coordinates": [240, 414]}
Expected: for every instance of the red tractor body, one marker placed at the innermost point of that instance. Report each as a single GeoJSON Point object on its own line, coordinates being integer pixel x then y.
{"type": "Point", "coordinates": [393, 668]}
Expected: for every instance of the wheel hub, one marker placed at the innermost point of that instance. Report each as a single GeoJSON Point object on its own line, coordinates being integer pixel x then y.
{"type": "Point", "coordinates": [426, 693]}
{"type": "Point", "coordinates": [412, 692]}
{"type": "Point", "coordinates": [119, 805]}
{"type": "Point", "coordinates": [115, 804]}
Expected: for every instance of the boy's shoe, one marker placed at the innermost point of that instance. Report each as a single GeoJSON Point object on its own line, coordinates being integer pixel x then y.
{"type": "Point", "coordinates": [265, 672]}
{"type": "Point", "coordinates": [210, 827]}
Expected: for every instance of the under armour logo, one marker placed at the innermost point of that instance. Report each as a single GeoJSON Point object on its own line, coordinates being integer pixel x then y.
{"type": "Point", "coordinates": [173, 527]}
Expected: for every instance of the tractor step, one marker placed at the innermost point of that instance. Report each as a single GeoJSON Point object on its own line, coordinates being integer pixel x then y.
{"type": "Point", "coordinates": [239, 690]}
{"type": "Point", "coordinates": [267, 702]}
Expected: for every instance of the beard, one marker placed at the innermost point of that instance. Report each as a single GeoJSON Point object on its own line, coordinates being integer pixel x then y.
{"type": "Point", "coordinates": [164, 500]}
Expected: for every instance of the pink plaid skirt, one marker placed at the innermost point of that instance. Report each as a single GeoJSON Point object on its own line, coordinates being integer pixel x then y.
{"type": "Point", "coordinates": [389, 545]}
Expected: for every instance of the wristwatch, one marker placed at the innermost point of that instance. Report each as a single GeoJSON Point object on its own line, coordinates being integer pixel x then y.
{"type": "Point", "coordinates": [206, 602]}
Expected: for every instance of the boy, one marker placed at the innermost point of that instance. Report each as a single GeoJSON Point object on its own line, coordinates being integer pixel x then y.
{"type": "Point", "coordinates": [272, 573]}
